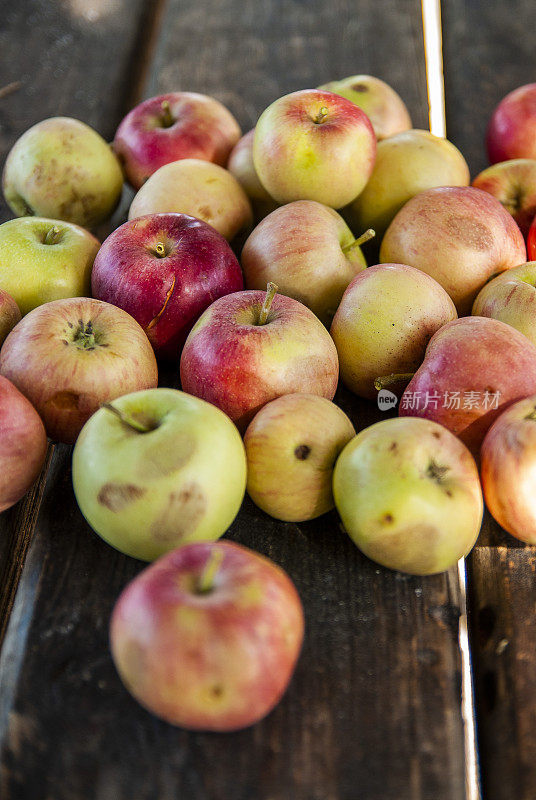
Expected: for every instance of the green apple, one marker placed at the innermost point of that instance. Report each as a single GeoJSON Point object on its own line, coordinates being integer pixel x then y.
{"type": "Point", "coordinates": [241, 165]}
{"type": "Point", "coordinates": [384, 322]}
{"type": "Point", "coordinates": [62, 168]}
{"type": "Point", "coordinates": [45, 259]}
{"type": "Point", "coordinates": [291, 446]}
{"type": "Point", "coordinates": [406, 164]}
{"type": "Point", "coordinates": [409, 495]}
{"type": "Point", "coordinates": [382, 105]}
{"type": "Point", "coordinates": [156, 469]}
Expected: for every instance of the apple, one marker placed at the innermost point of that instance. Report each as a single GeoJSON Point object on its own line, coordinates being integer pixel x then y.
{"type": "Point", "coordinates": [386, 318]}
{"type": "Point", "coordinates": [510, 298]}
{"type": "Point", "coordinates": [531, 241]}
{"type": "Point", "coordinates": [382, 105]}
{"type": "Point", "coordinates": [292, 444]}
{"type": "Point", "coordinates": [170, 127]}
{"type": "Point", "coordinates": [240, 164]}
{"type": "Point", "coordinates": [9, 314]}
{"type": "Point", "coordinates": [200, 189]}
{"type": "Point", "coordinates": [62, 169]}
{"type": "Point", "coordinates": [406, 164]}
{"type": "Point", "coordinates": [250, 347]}
{"type": "Point", "coordinates": [461, 236]}
{"type": "Point", "coordinates": [513, 183]}
{"type": "Point", "coordinates": [473, 369]}
{"type": "Point", "coordinates": [164, 270]}
{"type": "Point", "coordinates": [158, 468]}
{"type": "Point", "coordinates": [70, 356]}
{"type": "Point", "coordinates": [512, 128]}
{"type": "Point", "coordinates": [309, 251]}
{"type": "Point", "coordinates": [45, 259]}
{"type": "Point", "coordinates": [409, 495]}
{"type": "Point", "coordinates": [23, 444]}
{"type": "Point", "coordinates": [314, 145]}
{"type": "Point", "coordinates": [508, 467]}
{"type": "Point", "coordinates": [208, 637]}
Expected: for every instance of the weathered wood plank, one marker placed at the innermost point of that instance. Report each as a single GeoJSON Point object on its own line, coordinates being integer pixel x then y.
{"type": "Point", "coordinates": [374, 708]}
{"type": "Point", "coordinates": [488, 51]}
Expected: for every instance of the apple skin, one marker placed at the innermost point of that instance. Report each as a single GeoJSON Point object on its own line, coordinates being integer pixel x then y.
{"type": "Point", "coordinates": [406, 165]}
{"type": "Point", "coordinates": [170, 127]}
{"type": "Point", "coordinates": [300, 248]}
{"type": "Point", "coordinates": [409, 495]}
{"type": "Point", "coordinates": [459, 235]}
{"type": "Point", "coordinates": [473, 354]}
{"type": "Point", "coordinates": [382, 105]}
{"type": "Point", "coordinates": [508, 466]}
{"type": "Point", "coordinates": [298, 158]}
{"type": "Point", "coordinates": [386, 318]}
{"type": "Point", "coordinates": [197, 188]}
{"type": "Point", "coordinates": [70, 356]}
{"type": "Point", "coordinates": [9, 315]}
{"type": "Point", "coordinates": [511, 298]}
{"type": "Point", "coordinates": [513, 183]}
{"type": "Point", "coordinates": [241, 165]}
{"type": "Point", "coordinates": [34, 271]}
{"type": "Point", "coordinates": [217, 660]}
{"type": "Point", "coordinates": [167, 294]}
{"type": "Point", "coordinates": [23, 444]}
{"type": "Point", "coordinates": [239, 366]}
{"type": "Point", "coordinates": [147, 493]}
{"type": "Point", "coordinates": [291, 447]}
{"type": "Point", "coordinates": [512, 127]}
{"type": "Point", "coordinates": [62, 169]}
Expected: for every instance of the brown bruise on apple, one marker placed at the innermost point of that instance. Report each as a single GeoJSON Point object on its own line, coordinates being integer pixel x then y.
{"type": "Point", "coordinates": [117, 496]}
{"type": "Point", "coordinates": [184, 510]}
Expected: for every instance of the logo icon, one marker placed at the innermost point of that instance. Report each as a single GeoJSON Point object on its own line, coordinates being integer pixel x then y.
{"type": "Point", "coordinates": [386, 400]}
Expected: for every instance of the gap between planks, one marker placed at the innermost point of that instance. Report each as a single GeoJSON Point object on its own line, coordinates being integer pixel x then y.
{"type": "Point", "coordinates": [433, 54]}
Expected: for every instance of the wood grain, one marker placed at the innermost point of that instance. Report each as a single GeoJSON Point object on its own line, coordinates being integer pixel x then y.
{"type": "Point", "coordinates": [373, 710]}
{"type": "Point", "coordinates": [488, 51]}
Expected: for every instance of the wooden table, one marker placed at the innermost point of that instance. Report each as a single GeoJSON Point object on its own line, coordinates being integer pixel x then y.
{"type": "Point", "coordinates": [374, 711]}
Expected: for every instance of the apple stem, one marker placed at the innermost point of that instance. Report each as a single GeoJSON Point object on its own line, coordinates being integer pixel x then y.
{"type": "Point", "coordinates": [320, 117]}
{"type": "Point", "coordinates": [52, 235]}
{"type": "Point", "coordinates": [167, 116]}
{"type": "Point", "coordinates": [369, 234]}
{"type": "Point", "coordinates": [531, 415]}
{"type": "Point", "coordinates": [160, 250]}
{"type": "Point", "coordinates": [205, 582]}
{"type": "Point", "coordinates": [127, 419]}
{"type": "Point", "coordinates": [394, 377]}
{"type": "Point", "coordinates": [271, 291]}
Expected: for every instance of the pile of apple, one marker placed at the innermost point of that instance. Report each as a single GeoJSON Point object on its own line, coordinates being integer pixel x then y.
{"type": "Point", "coordinates": [445, 325]}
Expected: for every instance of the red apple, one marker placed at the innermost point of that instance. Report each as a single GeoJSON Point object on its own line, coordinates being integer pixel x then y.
{"type": "Point", "coordinates": [70, 356]}
{"type": "Point", "coordinates": [473, 369]}
{"type": "Point", "coordinates": [23, 444]}
{"type": "Point", "coordinates": [250, 347]}
{"type": "Point", "coordinates": [314, 145]}
{"type": "Point", "coordinates": [174, 126]}
{"type": "Point", "coordinates": [208, 637]}
{"type": "Point", "coordinates": [531, 241]}
{"type": "Point", "coordinates": [513, 183]}
{"type": "Point", "coordinates": [309, 251]}
{"type": "Point", "coordinates": [512, 128]}
{"type": "Point", "coordinates": [459, 235]}
{"type": "Point", "coordinates": [9, 315]}
{"type": "Point", "coordinates": [508, 468]}
{"type": "Point", "coordinates": [165, 269]}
